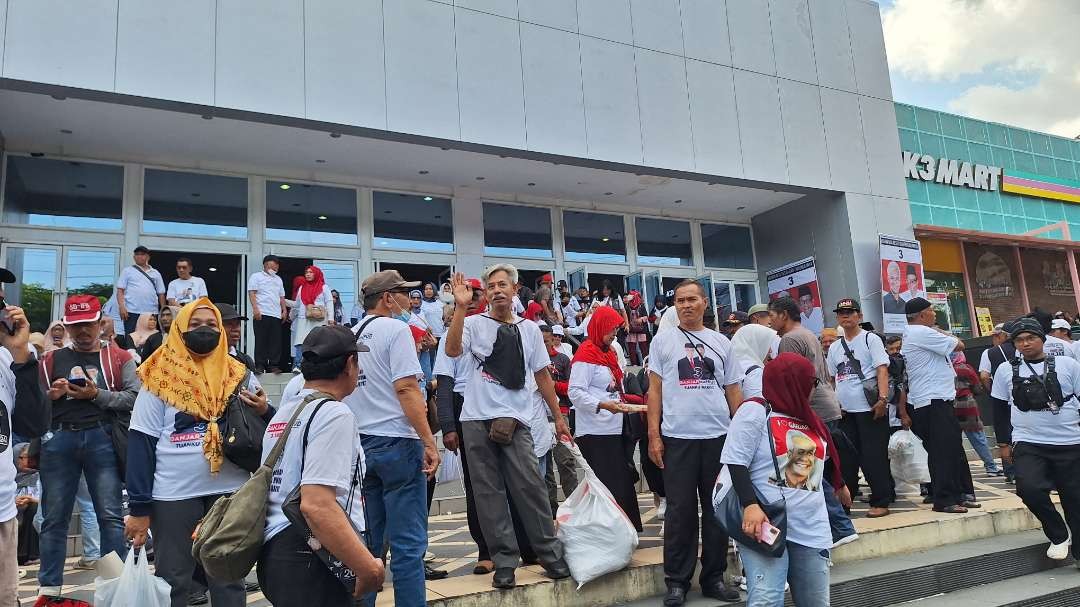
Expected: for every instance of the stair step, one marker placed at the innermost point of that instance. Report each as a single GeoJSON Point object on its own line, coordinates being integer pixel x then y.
{"type": "Point", "coordinates": [1056, 587]}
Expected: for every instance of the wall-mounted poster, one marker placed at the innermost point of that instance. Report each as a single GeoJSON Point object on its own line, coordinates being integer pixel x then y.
{"type": "Point", "coordinates": [901, 279]}
{"type": "Point", "coordinates": [799, 281]}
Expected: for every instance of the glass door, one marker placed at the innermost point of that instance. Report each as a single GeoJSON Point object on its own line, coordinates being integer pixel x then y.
{"type": "Point", "coordinates": [578, 278]}
{"type": "Point", "coordinates": [711, 311]}
{"type": "Point", "coordinates": [636, 282]}
{"type": "Point", "coordinates": [732, 295]}
{"type": "Point", "coordinates": [47, 275]}
{"type": "Point", "coordinates": [653, 288]}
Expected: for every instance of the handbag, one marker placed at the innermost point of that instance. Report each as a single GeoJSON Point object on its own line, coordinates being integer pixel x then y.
{"type": "Point", "coordinates": [314, 312]}
{"type": "Point", "coordinates": [228, 540]}
{"type": "Point", "coordinates": [291, 509]}
{"type": "Point", "coordinates": [869, 384]}
{"type": "Point", "coordinates": [729, 511]}
{"type": "Point", "coordinates": [242, 431]}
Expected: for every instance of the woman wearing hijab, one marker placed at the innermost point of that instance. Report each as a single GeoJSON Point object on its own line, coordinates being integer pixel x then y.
{"type": "Point", "coordinates": [144, 328]}
{"type": "Point", "coordinates": [56, 336]}
{"type": "Point", "coordinates": [176, 468]}
{"type": "Point", "coordinates": [637, 338]}
{"type": "Point", "coordinates": [659, 306]}
{"type": "Point", "coordinates": [165, 321]}
{"type": "Point", "coordinates": [600, 406]}
{"type": "Point", "coordinates": [801, 442]}
{"type": "Point", "coordinates": [752, 346]}
{"type": "Point", "coordinates": [314, 307]}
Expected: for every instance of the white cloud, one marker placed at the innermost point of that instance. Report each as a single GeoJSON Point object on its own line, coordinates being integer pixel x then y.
{"type": "Point", "coordinates": [1000, 41]}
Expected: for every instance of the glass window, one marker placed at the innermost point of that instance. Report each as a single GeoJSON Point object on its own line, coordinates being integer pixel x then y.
{"type": "Point", "coordinates": [979, 153]}
{"type": "Point", "coordinates": [976, 131]}
{"type": "Point", "coordinates": [730, 246]}
{"type": "Point", "coordinates": [927, 120]}
{"type": "Point", "coordinates": [38, 270]}
{"type": "Point", "coordinates": [663, 242]}
{"type": "Point", "coordinates": [515, 231]}
{"type": "Point", "coordinates": [951, 125]}
{"type": "Point", "coordinates": [1025, 162]}
{"type": "Point", "coordinates": [63, 193]}
{"type": "Point", "coordinates": [1044, 165]}
{"type": "Point", "coordinates": [594, 237]}
{"type": "Point", "coordinates": [909, 140]}
{"type": "Point", "coordinates": [303, 213]}
{"type": "Point", "coordinates": [1060, 147]}
{"type": "Point", "coordinates": [998, 134]}
{"type": "Point", "coordinates": [1040, 144]}
{"type": "Point", "coordinates": [194, 204]}
{"type": "Point", "coordinates": [932, 145]}
{"type": "Point", "coordinates": [1065, 169]}
{"type": "Point", "coordinates": [905, 116]}
{"type": "Point", "coordinates": [414, 222]}
{"type": "Point", "coordinates": [956, 149]}
{"type": "Point", "coordinates": [341, 276]}
{"type": "Point", "coordinates": [745, 296]}
{"type": "Point", "coordinates": [1019, 139]}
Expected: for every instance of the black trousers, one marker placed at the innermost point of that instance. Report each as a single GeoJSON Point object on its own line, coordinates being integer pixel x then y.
{"type": "Point", "coordinates": [1002, 421]}
{"type": "Point", "coordinates": [608, 460]}
{"type": "Point", "coordinates": [171, 524]}
{"type": "Point", "coordinates": [690, 469]}
{"type": "Point", "coordinates": [290, 575]}
{"type": "Point", "coordinates": [867, 447]}
{"type": "Point", "coordinates": [654, 476]}
{"type": "Point", "coordinates": [1041, 468]}
{"type": "Point", "coordinates": [470, 502]}
{"type": "Point", "coordinates": [267, 342]}
{"type": "Point", "coordinates": [937, 427]}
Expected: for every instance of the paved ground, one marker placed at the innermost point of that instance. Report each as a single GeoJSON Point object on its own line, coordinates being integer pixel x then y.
{"type": "Point", "coordinates": [449, 538]}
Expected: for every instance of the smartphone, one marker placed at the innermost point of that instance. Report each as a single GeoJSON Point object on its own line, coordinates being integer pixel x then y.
{"type": "Point", "coordinates": [77, 377]}
{"type": "Point", "coordinates": [767, 534]}
{"type": "Point", "coordinates": [5, 322]}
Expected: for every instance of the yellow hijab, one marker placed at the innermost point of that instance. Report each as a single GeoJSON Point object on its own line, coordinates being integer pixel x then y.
{"type": "Point", "coordinates": [199, 387]}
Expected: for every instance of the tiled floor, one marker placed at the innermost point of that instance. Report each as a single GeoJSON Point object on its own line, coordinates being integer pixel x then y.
{"type": "Point", "coordinates": [449, 540]}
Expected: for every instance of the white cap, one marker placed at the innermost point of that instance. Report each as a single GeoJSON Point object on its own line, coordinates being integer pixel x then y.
{"type": "Point", "coordinates": [1060, 323]}
{"type": "Point", "coordinates": [557, 330]}
{"type": "Point", "coordinates": [999, 328]}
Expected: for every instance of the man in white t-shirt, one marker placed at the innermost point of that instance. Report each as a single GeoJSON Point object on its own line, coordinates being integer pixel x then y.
{"type": "Point", "coordinates": [139, 290]}
{"type": "Point", "coordinates": [693, 377]}
{"type": "Point", "coordinates": [1046, 443]}
{"type": "Point", "coordinates": [931, 392]}
{"type": "Point", "coordinates": [509, 363]}
{"type": "Point", "coordinates": [558, 333]}
{"type": "Point", "coordinates": [324, 458]}
{"type": "Point", "coordinates": [26, 413]}
{"type": "Point", "coordinates": [857, 356]}
{"type": "Point", "coordinates": [186, 288]}
{"type": "Point", "coordinates": [267, 296]}
{"type": "Point", "coordinates": [391, 416]}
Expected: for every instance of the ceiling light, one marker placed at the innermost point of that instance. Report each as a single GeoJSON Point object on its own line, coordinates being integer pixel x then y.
{"type": "Point", "coordinates": [322, 216]}
{"type": "Point", "coordinates": [207, 117]}
{"type": "Point", "coordinates": [66, 131]}
{"type": "Point", "coordinates": [335, 135]}
{"type": "Point", "coordinates": [284, 186]}
{"type": "Point", "coordinates": [604, 239]}
{"type": "Point", "coordinates": [212, 269]}
{"type": "Point", "coordinates": [427, 199]}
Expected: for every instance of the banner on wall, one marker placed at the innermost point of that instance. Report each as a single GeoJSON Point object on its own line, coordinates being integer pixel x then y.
{"type": "Point", "coordinates": [901, 279]}
{"type": "Point", "coordinates": [799, 281]}
{"type": "Point", "coordinates": [986, 321]}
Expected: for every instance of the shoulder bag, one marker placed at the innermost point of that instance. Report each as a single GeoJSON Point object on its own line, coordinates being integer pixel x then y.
{"type": "Point", "coordinates": [153, 285]}
{"type": "Point", "coordinates": [242, 431]}
{"type": "Point", "coordinates": [869, 384]}
{"type": "Point", "coordinates": [228, 540]}
{"type": "Point", "coordinates": [729, 512]}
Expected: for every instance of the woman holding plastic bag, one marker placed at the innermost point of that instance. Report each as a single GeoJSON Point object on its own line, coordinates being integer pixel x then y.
{"type": "Point", "coordinates": [775, 454]}
{"type": "Point", "coordinates": [136, 586]}
{"type": "Point", "coordinates": [601, 408]}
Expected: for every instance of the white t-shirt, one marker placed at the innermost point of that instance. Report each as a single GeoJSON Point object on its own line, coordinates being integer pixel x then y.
{"type": "Point", "coordinates": [984, 360]}
{"type": "Point", "coordinates": [140, 297]}
{"type": "Point", "coordinates": [295, 385]}
{"type": "Point", "coordinates": [392, 356]}
{"type": "Point", "coordinates": [695, 407]}
{"type": "Point", "coordinates": [870, 352]}
{"type": "Point", "coordinates": [517, 307]}
{"type": "Point", "coordinates": [452, 367]}
{"type": "Point", "coordinates": [566, 349]}
{"type": "Point", "coordinates": [334, 458]}
{"type": "Point", "coordinates": [186, 291]}
{"type": "Point", "coordinates": [1057, 347]}
{"type": "Point", "coordinates": [589, 386]}
{"type": "Point", "coordinates": [432, 311]}
{"type": "Point", "coordinates": [541, 430]}
{"type": "Point", "coordinates": [485, 397]}
{"type": "Point", "coordinates": [747, 445]}
{"type": "Point", "coordinates": [930, 373]}
{"type": "Point", "coordinates": [181, 471]}
{"type": "Point", "coordinates": [1043, 427]}
{"type": "Point", "coordinates": [268, 292]}
{"type": "Point", "coordinates": [8, 510]}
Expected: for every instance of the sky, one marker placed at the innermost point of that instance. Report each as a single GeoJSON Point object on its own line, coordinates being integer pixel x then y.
{"type": "Point", "coordinates": [1011, 61]}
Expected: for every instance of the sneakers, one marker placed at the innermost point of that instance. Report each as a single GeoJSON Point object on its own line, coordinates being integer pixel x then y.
{"type": "Point", "coordinates": [85, 565]}
{"type": "Point", "coordinates": [847, 539]}
{"type": "Point", "coordinates": [661, 510]}
{"type": "Point", "coordinates": [1059, 552]}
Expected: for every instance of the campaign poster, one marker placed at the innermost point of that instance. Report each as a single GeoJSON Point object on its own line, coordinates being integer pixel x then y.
{"type": "Point", "coordinates": [901, 279]}
{"type": "Point", "coordinates": [800, 454]}
{"type": "Point", "coordinates": [799, 281]}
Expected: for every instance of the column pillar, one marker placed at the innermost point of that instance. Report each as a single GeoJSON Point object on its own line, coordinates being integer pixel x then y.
{"type": "Point", "coordinates": [969, 292]}
{"type": "Point", "coordinates": [1023, 281]}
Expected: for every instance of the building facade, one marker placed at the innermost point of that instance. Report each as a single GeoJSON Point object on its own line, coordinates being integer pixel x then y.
{"type": "Point", "coordinates": [1004, 244]}
{"type": "Point", "coordinates": [641, 141]}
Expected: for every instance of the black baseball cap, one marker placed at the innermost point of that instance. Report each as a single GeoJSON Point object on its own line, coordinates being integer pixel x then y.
{"type": "Point", "coordinates": [331, 341]}
{"type": "Point", "coordinates": [6, 275]}
{"type": "Point", "coordinates": [142, 249]}
{"type": "Point", "coordinates": [916, 305]}
{"type": "Point", "coordinates": [271, 257]}
{"type": "Point", "coordinates": [229, 312]}
{"type": "Point", "coordinates": [848, 305]}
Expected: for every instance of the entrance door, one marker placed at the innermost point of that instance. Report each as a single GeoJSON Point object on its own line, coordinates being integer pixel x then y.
{"type": "Point", "coordinates": [636, 282]}
{"type": "Point", "coordinates": [653, 287]}
{"type": "Point", "coordinates": [47, 275]}
{"type": "Point", "coordinates": [223, 273]}
{"type": "Point", "coordinates": [732, 295]}
{"type": "Point", "coordinates": [712, 311]}
{"type": "Point", "coordinates": [578, 278]}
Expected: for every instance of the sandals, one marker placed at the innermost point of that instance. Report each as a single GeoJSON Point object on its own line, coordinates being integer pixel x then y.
{"type": "Point", "coordinates": [954, 509]}
{"type": "Point", "coordinates": [482, 569]}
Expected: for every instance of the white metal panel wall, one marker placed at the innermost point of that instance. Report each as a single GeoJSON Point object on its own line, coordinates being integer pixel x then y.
{"type": "Point", "coordinates": [717, 149]}
{"type": "Point", "coordinates": [792, 40]}
{"type": "Point", "coordinates": [334, 29]}
{"type": "Point", "coordinates": [758, 100]}
{"type": "Point", "coordinates": [60, 42]}
{"type": "Point", "coordinates": [260, 56]}
{"type": "Point", "coordinates": [705, 30]}
{"type": "Point", "coordinates": [751, 35]}
{"type": "Point", "coordinates": [657, 25]}
{"type": "Point", "coordinates": [844, 139]}
{"type": "Point", "coordinates": [665, 110]}
{"type": "Point", "coordinates": [421, 69]}
{"type": "Point", "coordinates": [800, 105]}
{"type": "Point", "coordinates": [165, 49]}
{"type": "Point", "coordinates": [505, 8]}
{"type": "Point", "coordinates": [554, 107]}
{"type": "Point", "coordinates": [560, 14]}
{"type": "Point", "coordinates": [613, 127]}
{"type": "Point", "coordinates": [607, 19]}
{"type": "Point", "coordinates": [489, 79]}
{"type": "Point", "coordinates": [832, 44]}
{"type": "Point", "coordinates": [886, 172]}
{"type": "Point", "coordinates": [868, 49]}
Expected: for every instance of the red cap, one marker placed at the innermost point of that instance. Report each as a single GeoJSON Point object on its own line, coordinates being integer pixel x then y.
{"type": "Point", "coordinates": [81, 308]}
{"type": "Point", "coordinates": [546, 278]}
{"type": "Point", "coordinates": [474, 283]}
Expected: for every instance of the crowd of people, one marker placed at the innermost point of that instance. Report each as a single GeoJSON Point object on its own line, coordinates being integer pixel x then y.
{"type": "Point", "coordinates": [159, 422]}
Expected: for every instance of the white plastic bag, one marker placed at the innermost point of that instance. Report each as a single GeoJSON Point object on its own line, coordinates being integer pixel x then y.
{"type": "Point", "coordinates": [136, 587]}
{"type": "Point", "coordinates": [450, 468]}
{"type": "Point", "coordinates": [908, 461]}
{"type": "Point", "coordinates": [596, 535]}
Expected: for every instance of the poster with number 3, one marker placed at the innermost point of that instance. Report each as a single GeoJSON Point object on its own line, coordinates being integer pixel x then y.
{"type": "Point", "coordinates": [901, 279]}
{"type": "Point", "coordinates": [799, 281]}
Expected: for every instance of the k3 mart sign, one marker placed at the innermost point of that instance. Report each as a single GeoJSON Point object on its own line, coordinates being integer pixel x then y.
{"type": "Point", "coordinates": [924, 167]}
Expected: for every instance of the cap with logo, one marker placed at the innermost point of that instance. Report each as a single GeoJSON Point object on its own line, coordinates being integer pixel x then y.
{"type": "Point", "coordinates": [1060, 323]}
{"type": "Point", "coordinates": [916, 305]}
{"type": "Point", "coordinates": [6, 275]}
{"type": "Point", "coordinates": [81, 308]}
{"type": "Point", "coordinates": [331, 341]}
{"type": "Point", "coordinates": [737, 318]}
{"type": "Point", "coordinates": [229, 312]}
{"type": "Point", "coordinates": [758, 309]}
{"type": "Point", "coordinates": [387, 280]}
{"type": "Point", "coordinates": [848, 305]}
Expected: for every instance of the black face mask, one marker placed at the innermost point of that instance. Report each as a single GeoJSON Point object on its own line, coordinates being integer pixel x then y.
{"type": "Point", "coordinates": [202, 340]}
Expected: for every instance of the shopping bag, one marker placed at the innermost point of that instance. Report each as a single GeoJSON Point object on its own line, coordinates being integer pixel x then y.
{"type": "Point", "coordinates": [136, 586]}
{"type": "Point", "coordinates": [908, 462]}
{"type": "Point", "coordinates": [596, 535]}
{"type": "Point", "coordinates": [450, 468]}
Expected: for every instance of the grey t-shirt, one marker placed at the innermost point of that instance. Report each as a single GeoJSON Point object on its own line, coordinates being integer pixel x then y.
{"type": "Point", "coordinates": [804, 343]}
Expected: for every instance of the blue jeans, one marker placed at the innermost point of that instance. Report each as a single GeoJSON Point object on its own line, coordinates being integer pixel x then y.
{"type": "Point", "coordinates": [839, 520]}
{"type": "Point", "coordinates": [395, 503]}
{"type": "Point", "coordinates": [65, 458]}
{"type": "Point", "coordinates": [427, 363]}
{"type": "Point", "coordinates": [91, 534]}
{"type": "Point", "coordinates": [806, 571]}
{"type": "Point", "coordinates": [979, 444]}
